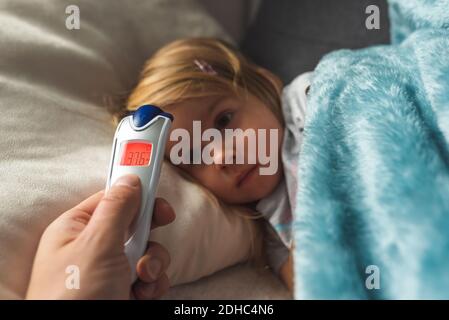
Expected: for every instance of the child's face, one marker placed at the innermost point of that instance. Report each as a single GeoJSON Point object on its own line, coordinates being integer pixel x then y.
{"type": "Point", "coordinates": [232, 183]}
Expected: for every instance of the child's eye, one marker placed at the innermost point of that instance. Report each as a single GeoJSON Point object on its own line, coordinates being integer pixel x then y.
{"type": "Point", "coordinates": [223, 120]}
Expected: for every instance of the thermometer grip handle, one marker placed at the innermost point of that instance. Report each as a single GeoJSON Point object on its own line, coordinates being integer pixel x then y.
{"type": "Point", "coordinates": [136, 245]}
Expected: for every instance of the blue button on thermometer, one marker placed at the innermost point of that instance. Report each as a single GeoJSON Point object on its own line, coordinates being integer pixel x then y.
{"type": "Point", "coordinates": [138, 148]}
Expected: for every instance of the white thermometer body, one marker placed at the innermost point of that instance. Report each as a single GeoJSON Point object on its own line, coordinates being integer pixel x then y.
{"type": "Point", "coordinates": [138, 148]}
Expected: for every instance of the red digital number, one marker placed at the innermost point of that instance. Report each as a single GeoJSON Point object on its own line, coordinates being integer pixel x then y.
{"type": "Point", "coordinates": [136, 154]}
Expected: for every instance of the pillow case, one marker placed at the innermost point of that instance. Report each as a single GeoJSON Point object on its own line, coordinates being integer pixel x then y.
{"type": "Point", "coordinates": [56, 134]}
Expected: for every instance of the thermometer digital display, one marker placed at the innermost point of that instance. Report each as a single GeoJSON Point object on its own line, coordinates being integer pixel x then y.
{"type": "Point", "coordinates": [138, 148]}
{"type": "Point", "coordinates": [136, 153]}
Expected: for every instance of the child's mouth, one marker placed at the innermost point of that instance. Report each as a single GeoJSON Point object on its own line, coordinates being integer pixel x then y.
{"type": "Point", "coordinates": [245, 176]}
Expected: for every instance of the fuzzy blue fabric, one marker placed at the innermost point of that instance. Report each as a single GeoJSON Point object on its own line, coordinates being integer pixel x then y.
{"type": "Point", "coordinates": [372, 218]}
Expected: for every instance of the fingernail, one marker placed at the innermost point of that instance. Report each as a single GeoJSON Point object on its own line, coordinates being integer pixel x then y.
{"type": "Point", "coordinates": [130, 180]}
{"type": "Point", "coordinates": [154, 268]}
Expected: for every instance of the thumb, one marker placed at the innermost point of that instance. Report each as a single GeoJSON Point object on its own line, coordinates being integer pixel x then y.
{"type": "Point", "coordinates": [116, 210]}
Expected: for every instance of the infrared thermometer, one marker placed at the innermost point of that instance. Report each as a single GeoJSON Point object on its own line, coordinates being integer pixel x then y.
{"type": "Point", "coordinates": [138, 148]}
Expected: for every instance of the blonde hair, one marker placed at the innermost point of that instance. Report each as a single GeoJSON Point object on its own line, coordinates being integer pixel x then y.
{"type": "Point", "coordinates": [171, 76]}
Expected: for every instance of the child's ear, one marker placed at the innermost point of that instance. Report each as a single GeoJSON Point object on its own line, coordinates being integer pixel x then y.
{"type": "Point", "coordinates": [277, 82]}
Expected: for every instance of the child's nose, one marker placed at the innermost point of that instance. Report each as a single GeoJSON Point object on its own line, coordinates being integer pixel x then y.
{"type": "Point", "coordinates": [224, 158]}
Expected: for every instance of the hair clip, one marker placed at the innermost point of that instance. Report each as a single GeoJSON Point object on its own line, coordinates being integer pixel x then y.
{"type": "Point", "coordinates": [204, 67]}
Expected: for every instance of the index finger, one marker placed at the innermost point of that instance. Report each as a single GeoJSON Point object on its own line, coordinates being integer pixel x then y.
{"type": "Point", "coordinates": [88, 205]}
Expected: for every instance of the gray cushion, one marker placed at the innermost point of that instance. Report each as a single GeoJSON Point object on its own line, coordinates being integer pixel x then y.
{"type": "Point", "coordinates": [289, 37]}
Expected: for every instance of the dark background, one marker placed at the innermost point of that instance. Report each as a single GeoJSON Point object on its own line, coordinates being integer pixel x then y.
{"type": "Point", "coordinates": [289, 37]}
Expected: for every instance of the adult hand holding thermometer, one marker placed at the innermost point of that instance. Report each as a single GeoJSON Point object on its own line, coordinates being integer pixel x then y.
{"type": "Point", "coordinates": [138, 148]}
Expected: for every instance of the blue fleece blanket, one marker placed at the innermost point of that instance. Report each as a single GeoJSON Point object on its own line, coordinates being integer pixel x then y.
{"type": "Point", "coordinates": [373, 202]}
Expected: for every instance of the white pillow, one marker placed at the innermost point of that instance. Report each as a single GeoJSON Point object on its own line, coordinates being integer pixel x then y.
{"type": "Point", "coordinates": [55, 133]}
{"type": "Point", "coordinates": [204, 237]}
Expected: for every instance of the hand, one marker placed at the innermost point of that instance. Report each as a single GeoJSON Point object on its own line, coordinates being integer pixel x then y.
{"type": "Point", "coordinates": [90, 237]}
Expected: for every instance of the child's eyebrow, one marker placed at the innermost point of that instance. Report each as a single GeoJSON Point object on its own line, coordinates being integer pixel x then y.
{"type": "Point", "coordinates": [215, 104]}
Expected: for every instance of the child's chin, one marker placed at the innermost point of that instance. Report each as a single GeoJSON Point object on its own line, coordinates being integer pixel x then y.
{"type": "Point", "coordinates": [271, 182]}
